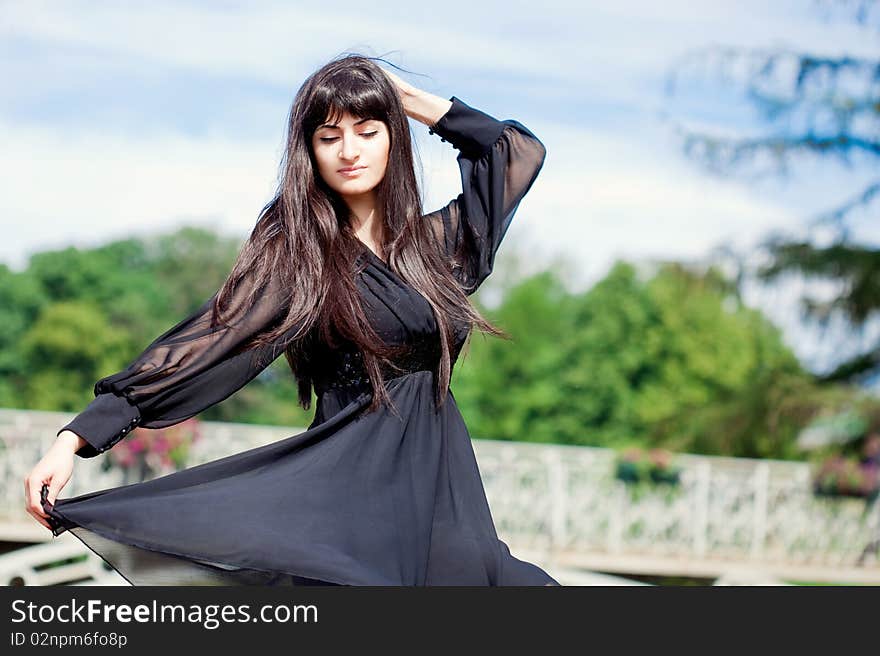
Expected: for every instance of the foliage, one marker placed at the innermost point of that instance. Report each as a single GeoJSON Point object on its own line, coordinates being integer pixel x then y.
{"type": "Point", "coordinates": [638, 465]}
{"type": "Point", "coordinates": [664, 356]}
{"type": "Point", "coordinates": [812, 106]}
{"type": "Point", "coordinates": [671, 357]}
{"type": "Point", "coordinates": [846, 476]}
{"type": "Point", "coordinates": [850, 466]}
{"type": "Point", "coordinates": [76, 315]}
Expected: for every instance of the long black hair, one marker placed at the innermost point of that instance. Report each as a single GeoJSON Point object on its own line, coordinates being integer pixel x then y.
{"type": "Point", "coordinates": [304, 238]}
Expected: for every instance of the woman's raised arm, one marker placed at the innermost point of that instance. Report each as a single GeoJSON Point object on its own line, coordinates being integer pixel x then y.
{"type": "Point", "coordinates": [498, 161]}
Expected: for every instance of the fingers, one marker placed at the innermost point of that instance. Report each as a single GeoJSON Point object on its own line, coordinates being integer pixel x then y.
{"type": "Point", "coordinates": [33, 501]}
{"type": "Point", "coordinates": [40, 519]}
{"type": "Point", "coordinates": [51, 495]}
{"type": "Point", "coordinates": [391, 76]}
{"type": "Point", "coordinates": [402, 85]}
{"type": "Point", "coordinates": [32, 492]}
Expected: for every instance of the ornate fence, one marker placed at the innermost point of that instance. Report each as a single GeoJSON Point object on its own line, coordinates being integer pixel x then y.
{"type": "Point", "coordinates": [566, 502]}
{"type": "Point", "coordinates": [567, 499]}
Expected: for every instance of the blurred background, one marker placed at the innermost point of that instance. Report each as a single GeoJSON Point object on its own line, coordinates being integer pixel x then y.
{"type": "Point", "coordinates": [691, 392]}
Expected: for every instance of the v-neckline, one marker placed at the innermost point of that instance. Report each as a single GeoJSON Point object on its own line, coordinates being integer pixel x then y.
{"type": "Point", "coordinates": [389, 271]}
{"type": "Point", "coordinates": [371, 252]}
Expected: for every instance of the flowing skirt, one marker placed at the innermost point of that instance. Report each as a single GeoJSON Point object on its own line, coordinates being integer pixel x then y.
{"type": "Point", "coordinates": [368, 499]}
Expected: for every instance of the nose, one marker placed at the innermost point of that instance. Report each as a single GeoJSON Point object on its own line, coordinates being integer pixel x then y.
{"type": "Point", "coordinates": [349, 148]}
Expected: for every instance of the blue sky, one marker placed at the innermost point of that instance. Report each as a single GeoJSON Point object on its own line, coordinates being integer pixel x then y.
{"type": "Point", "coordinates": [120, 119]}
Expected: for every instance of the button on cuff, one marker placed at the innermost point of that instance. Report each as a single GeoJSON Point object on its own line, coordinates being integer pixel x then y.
{"type": "Point", "coordinates": [105, 421]}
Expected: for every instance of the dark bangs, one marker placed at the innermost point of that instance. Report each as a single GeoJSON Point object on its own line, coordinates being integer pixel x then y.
{"type": "Point", "coordinates": [360, 98]}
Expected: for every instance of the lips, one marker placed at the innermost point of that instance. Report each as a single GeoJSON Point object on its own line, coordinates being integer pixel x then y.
{"type": "Point", "coordinates": [351, 172]}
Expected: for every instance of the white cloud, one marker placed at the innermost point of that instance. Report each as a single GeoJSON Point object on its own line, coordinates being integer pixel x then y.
{"type": "Point", "coordinates": [272, 42]}
{"type": "Point", "coordinates": [62, 188]}
{"type": "Point", "coordinates": [600, 197]}
{"type": "Point", "coordinates": [620, 191]}
{"type": "Point", "coordinates": [607, 49]}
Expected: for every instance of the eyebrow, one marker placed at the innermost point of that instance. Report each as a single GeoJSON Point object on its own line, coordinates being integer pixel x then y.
{"type": "Point", "coordinates": [334, 125]}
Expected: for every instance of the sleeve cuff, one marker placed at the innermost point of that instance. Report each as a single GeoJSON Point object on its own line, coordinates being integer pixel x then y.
{"type": "Point", "coordinates": [105, 421]}
{"type": "Point", "coordinates": [468, 129]}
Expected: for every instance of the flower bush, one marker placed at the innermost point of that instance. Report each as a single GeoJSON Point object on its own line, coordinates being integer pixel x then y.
{"type": "Point", "coordinates": [147, 453]}
{"type": "Point", "coordinates": [637, 465]}
{"type": "Point", "coordinates": [846, 476]}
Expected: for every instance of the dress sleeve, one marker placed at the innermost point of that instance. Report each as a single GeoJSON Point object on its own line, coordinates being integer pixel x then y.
{"type": "Point", "coordinates": [499, 161]}
{"type": "Point", "coordinates": [190, 367]}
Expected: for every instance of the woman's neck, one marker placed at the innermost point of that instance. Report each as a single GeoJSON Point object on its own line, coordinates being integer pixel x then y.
{"type": "Point", "coordinates": [366, 221]}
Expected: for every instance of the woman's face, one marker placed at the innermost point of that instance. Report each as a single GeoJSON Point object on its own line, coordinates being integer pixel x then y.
{"type": "Point", "coordinates": [352, 142]}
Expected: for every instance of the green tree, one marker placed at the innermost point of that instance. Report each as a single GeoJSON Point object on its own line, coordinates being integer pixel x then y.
{"type": "Point", "coordinates": [21, 301]}
{"type": "Point", "coordinates": [508, 387]}
{"type": "Point", "coordinates": [646, 358]}
{"type": "Point", "coordinates": [65, 351]}
{"type": "Point", "coordinates": [812, 105]}
{"type": "Point", "coordinates": [77, 315]}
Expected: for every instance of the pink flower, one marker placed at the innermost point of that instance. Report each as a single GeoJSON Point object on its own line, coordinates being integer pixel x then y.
{"type": "Point", "coordinates": [660, 458]}
{"type": "Point", "coordinates": [632, 454]}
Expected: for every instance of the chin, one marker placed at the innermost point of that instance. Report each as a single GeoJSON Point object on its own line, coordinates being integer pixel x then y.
{"type": "Point", "coordinates": [355, 188]}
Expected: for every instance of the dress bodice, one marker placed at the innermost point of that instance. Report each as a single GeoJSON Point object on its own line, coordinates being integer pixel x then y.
{"type": "Point", "coordinates": [400, 315]}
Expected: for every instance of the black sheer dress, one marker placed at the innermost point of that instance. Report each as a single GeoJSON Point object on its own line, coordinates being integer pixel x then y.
{"type": "Point", "coordinates": [360, 498]}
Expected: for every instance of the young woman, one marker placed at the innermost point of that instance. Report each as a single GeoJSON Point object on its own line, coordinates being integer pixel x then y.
{"type": "Point", "coordinates": [367, 299]}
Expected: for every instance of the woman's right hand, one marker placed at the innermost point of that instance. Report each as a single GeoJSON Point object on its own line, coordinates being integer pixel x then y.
{"type": "Point", "coordinates": [54, 470]}
{"type": "Point", "coordinates": [417, 103]}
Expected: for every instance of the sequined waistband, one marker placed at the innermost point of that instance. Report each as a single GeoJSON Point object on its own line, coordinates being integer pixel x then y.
{"type": "Point", "coordinates": [345, 370]}
{"type": "Point", "coordinates": [360, 387]}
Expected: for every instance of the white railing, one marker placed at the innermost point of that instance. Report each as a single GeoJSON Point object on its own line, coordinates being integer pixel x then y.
{"type": "Point", "coordinates": [553, 500]}
{"type": "Point", "coordinates": [567, 499]}
{"type": "Point", "coordinates": [65, 561]}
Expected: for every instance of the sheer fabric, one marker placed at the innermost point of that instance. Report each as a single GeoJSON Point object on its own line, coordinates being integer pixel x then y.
{"type": "Point", "coordinates": [187, 369]}
{"type": "Point", "coordinates": [358, 498]}
{"type": "Point", "coordinates": [498, 166]}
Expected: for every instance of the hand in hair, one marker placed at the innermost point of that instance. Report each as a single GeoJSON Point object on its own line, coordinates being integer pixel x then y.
{"type": "Point", "coordinates": [404, 88]}
{"type": "Point", "coordinates": [417, 103]}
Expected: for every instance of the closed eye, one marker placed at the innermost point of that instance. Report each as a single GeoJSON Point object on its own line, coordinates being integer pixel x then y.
{"type": "Point", "coordinates": [368, 135]}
